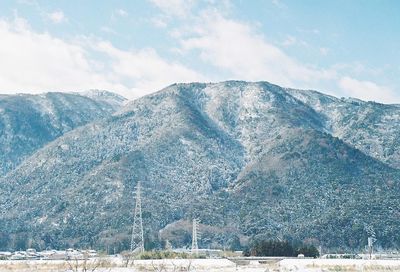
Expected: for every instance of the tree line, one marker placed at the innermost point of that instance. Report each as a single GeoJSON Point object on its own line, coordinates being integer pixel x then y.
{"type": "Point", "coordinates": [280, 248]}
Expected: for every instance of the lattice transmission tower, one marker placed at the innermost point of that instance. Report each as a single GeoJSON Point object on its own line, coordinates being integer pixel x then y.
{"type": "Point", "coordinates": [137, 241]}
{"type": "Point", "coordinates": [195, 234]}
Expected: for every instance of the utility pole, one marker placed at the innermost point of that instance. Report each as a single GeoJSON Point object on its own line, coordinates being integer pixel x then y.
{"type": "Point", "coordinates": [195, 232]}
{"type": "Point", "coordinates": [137, 241]}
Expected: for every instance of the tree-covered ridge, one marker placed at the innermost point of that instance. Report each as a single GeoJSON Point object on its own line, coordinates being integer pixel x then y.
{"type": "Point", "coordinates": [28, 122]}
{"type": "Point", "coordinates": [247, 159]}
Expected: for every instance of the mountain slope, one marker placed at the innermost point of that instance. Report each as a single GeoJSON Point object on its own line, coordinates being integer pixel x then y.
{"type": "Point", "coordinates": [28, 122]}
{"type": "Point", "coordinates": [309, 185]}
{"type": "Point", "coordinates": [248, 159]}
{"type": "Point", "coordinates": [371, 127]}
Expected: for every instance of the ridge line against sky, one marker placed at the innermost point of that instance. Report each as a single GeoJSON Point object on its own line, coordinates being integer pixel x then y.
{"type": "Point", "coordinates": [343, 48]}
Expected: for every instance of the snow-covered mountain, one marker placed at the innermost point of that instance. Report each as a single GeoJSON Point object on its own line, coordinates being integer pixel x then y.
{"type": "Point", "coordinates": [248, 159]}
{"type": "Point", "coordinates": [28, 122]}
{"type": "Point", "coordinates": [371, 127]}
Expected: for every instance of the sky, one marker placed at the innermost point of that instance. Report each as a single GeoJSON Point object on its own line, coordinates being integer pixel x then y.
{"type": "Point", "coordinates": [346, 48]}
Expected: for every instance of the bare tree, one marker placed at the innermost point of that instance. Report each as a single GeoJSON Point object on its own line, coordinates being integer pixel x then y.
{"type": "Point", "coordinates": [128, 258]}
{"type": "Point", "coordinates": [84, 264]}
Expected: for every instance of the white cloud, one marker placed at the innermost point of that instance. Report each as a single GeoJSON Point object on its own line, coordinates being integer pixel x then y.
{"type": "Point", "coordinates": [121, 12]}
{"type": "Point", "coordinates": [118, 13]}
{"type": "Point", "coordinates": [109, 30]}
{"type": "Point", "coordinates": [279, 4]}
{"type": "Point", "coordinates": [367, 90]}
{"type": "Point", "coordinates": [324, 51]}
{"type": "Point", "coordinates": [37, 62]}
{"type": "Point", "coordinates": [239, 51]}
{"type": "Point", "coordinates": [180, 8]}
{"type": "Point", "coordinates": [235, 47]}
{"type": "Point", "coordinates": [160, 22]}
{"type": "Point", "coordinates": [290, 41]}
{"type": "Point", "coordinates": [145, 68]}
{"type": "Point", "coordinates": [57, 17]}
{"type": "Point", "coordinates": [225, 47]}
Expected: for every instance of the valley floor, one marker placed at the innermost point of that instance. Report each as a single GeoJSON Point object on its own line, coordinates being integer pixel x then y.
{"type": "Point", "coordinates": [116, 264]}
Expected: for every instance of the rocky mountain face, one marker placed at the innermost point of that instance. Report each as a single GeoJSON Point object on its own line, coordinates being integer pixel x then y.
{"type": "Point", "coordinates": [247, 159]}
{"type": "Point", "coordinates": [28, 122]}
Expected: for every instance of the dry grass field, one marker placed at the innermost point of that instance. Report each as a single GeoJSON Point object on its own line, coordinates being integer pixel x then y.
{"type": "Point", "coordinates": [116, 264]}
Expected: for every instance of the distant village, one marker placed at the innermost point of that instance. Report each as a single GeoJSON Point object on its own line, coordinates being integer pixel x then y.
{"type": "Point", "coordinates": [32, 254]}
{"type": "Point", "coordinates": [82, 254]}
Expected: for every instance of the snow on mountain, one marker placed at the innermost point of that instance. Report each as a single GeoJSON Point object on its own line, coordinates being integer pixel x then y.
{"type": "Point", "coordinates": [371, 127]}
{"type": "Point", "coordinates": [248, 159]}
{"type": "Point", "coordinates": [28, 122]}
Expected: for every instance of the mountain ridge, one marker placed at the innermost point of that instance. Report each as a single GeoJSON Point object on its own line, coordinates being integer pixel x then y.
{"type": "Point", "coordinates": [28, 122]}
{"type": "Point", "coordinates": [246, 155]}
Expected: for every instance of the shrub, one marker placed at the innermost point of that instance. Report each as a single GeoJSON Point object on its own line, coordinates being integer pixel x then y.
{"type": "Point", "coordinates": [164, 254]}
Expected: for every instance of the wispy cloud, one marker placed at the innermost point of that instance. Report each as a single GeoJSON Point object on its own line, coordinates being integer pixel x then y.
{"type": "Point", "coordinates": [144, 70]}
{"type": "Point", "coordinates": [119, 13]}
{"type": "Point", "coordinates": [279, 4]}
{"type": "Point", "coordinates": [107, 29]}
{"type": "Point", "coordinates": [291, 40]}
{"type": "Point", "coordinates": [180, 8]}
{"type": "Point", "coordinates": [324, 51]}
{"type": "Point", "coordinates": [57, 16]}
{"type": "Point", "coordinates": [160, 21]}
{"type": "Point", "coordinates": [238, 50]}
{"type": "Point", "coordinates": [236, 47]}
{"type": "Point", "coordinates": [367, 90]}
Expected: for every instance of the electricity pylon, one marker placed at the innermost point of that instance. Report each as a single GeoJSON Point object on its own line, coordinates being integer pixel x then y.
{"type": "Point", "coordinates": [195, 233]}
{"type": "Point", "coordinates": [137, 241]}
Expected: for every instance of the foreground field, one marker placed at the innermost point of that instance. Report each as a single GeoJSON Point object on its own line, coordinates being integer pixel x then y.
{"type": "Point", "coordinates": [116, 264]}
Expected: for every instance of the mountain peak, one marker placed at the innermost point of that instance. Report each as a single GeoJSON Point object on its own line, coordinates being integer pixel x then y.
{"type": "Point", "coordinates": [102, 93]}
{"type": "Point", "coordinates": [247, 158]}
